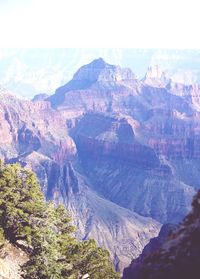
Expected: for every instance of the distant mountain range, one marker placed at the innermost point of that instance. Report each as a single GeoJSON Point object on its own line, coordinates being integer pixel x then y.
{"type": "Point", "coordinates": [122, 153]}
{"type": "Point", "coordinates": [28, 72]}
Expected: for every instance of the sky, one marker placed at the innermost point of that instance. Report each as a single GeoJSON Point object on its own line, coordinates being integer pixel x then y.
{"type": "Point", "coordinates": [95, 23]}
{"type": "Point", "coordinates": [44, 42]}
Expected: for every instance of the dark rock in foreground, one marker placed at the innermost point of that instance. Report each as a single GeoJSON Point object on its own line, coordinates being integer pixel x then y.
{"type": "Point", "coordinates": [177, 257]}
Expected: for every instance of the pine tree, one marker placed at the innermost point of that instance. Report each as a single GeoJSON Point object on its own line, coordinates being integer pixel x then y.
{"type": "Point", "coordinates": [87, 258]}
{"type": "Point", "coordinates": [45, 232]}
{"type": "Point", "coordinates": [20, 199]}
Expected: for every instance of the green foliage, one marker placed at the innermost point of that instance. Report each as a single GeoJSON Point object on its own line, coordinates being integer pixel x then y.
{"type": "Point", "coordinates": [86, 257]}
{"type": "Point", "coordinates": [45, 232]}
{"type": "Point", "coordinates": [20, 200]}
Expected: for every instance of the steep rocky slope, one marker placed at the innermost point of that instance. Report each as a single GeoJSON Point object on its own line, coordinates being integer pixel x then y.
{"type": "Point", "coordinates": [176, 255]}
{"type": "Point", "coordinates": [114, 227]}
{"type": "Point", "coordinates": [154, 244]}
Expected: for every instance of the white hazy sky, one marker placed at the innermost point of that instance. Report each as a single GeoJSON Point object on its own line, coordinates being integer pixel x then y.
{"type": "Point", "coordinates": [102, 23]}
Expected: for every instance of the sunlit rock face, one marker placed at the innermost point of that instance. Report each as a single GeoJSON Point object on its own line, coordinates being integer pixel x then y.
{"type": "Point", "coordinates": [121, 153]}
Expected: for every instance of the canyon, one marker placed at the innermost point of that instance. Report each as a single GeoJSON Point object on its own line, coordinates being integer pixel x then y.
{"type": "Point", "coordinates": [121, 153]}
